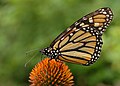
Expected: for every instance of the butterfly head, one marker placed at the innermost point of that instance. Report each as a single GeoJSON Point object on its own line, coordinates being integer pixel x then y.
{"type": "Point", "coordinates": [46, 51]}
{"type": "Point", "coordinates": [50, 52]}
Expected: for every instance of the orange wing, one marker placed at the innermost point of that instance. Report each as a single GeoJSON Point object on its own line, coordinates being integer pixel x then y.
{"type": "Point", "coordinates": [82, 42]}
{"type": "Point", "coordinates": [98, 21]}
{"type": "Point", "coordinates": [81, 47]}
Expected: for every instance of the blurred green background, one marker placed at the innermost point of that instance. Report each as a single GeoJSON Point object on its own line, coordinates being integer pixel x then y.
{"type": "Point", "coordinates": [33, 24]}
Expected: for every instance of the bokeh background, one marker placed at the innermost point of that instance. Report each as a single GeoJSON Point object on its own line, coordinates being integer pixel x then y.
{"type": "Point", "coordinates": [32, 24]}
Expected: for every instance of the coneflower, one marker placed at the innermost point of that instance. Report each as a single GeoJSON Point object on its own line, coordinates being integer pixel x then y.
{"type": "Point", "coordinates": [51, 73]}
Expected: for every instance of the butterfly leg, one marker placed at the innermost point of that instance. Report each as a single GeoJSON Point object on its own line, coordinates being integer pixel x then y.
{"type": "Point", "coordinates": [50, 59]}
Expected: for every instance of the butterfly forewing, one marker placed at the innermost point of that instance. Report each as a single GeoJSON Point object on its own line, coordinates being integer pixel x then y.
{"type": "Point", "coordinates": [82, 42]}
{"type": "Point", "coordinates": [98, 20]}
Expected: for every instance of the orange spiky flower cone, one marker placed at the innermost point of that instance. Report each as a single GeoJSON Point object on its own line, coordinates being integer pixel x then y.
{"type": "Point", "coordinates": [51, 73]}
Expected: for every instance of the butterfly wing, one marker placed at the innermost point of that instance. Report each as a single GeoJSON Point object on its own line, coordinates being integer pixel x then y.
{"type": "Point", "coordinates": [81, 43]}
{"type": "Point", "coordinates": [80, 47]}
{"type": "Point", "coordinates": [99, 20]}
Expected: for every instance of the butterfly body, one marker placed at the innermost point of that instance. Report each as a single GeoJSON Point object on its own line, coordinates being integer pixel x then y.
{"type": "Point", "coordinates": [81, 43]}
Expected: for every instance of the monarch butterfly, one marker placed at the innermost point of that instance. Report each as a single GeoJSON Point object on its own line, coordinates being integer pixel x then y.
{"type": "Point", "coordinates": [81, 43]}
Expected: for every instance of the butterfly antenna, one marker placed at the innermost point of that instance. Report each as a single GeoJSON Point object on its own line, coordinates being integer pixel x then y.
{"type": "Point", "coordinates": [30, 59]}
{"type": "Point", "coordinates": [30, 51]}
